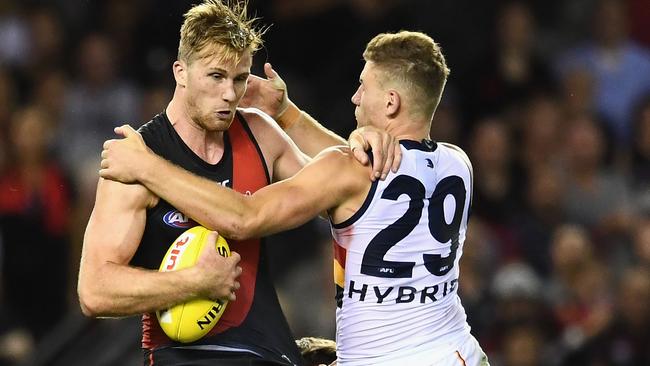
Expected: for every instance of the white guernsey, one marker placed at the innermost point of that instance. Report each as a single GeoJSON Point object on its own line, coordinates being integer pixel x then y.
{"type": "Point", "coordinates": [396, 262]}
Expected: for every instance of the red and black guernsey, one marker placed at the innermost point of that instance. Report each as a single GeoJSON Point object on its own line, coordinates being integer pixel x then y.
{"type": "Point", "coordinates": [253, 324]}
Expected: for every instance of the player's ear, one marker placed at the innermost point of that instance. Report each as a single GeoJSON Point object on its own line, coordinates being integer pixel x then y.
{"type": "Point", "coordinates": [180, 72]}
{"type": "Point", "coordinates": [393, 103]}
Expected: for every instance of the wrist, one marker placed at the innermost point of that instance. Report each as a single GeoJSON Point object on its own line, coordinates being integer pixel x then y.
{"type": "Point", "coordinates": [192, 287]}
{"type": "Point", "coordinates": [289, 116]}
{"type": "Point", "coordinates": [148, 166]}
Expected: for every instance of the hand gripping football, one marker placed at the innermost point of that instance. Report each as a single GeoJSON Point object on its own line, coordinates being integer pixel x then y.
{"type": "Point", "coordinates": [189, 321]}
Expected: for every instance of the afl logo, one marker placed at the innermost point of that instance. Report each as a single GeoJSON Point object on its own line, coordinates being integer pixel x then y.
{"type": "Point", "coordinates": [178, 219]}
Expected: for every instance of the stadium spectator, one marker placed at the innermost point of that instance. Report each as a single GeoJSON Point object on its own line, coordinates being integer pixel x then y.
{"type": "Point", "coordinates": [620, 68]}
{"type": "Point", "coordinates": [35, 201]}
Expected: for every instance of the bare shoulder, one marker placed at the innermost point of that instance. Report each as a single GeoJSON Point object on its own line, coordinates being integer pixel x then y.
{"type": "Point", "coordinates": [336, 155]}
{"type": "Point", "coordinates": [133, 196]}
{"type": "Point", "coordinates": [341, 163]}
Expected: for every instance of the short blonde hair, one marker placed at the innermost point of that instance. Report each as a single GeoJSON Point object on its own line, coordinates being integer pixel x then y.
{"type": "Point", "coordinates": [217, 24]}
{"type": "Point", "coordinates": [413, 60]}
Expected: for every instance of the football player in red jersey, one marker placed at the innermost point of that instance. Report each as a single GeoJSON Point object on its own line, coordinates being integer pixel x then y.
{"type": "Point", "coordinates": [203, 130]}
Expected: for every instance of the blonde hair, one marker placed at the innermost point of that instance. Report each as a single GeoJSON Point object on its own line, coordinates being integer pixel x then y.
{"type": "Point", "coordinates": [412, 60]}
{"type": "Point", "coordinates": [217, 24]}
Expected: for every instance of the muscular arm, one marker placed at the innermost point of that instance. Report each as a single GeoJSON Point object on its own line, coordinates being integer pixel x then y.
{"type": "Point", "coordinates": [108, 286]}
{"type": "Point", "coordinates": [321, 185]}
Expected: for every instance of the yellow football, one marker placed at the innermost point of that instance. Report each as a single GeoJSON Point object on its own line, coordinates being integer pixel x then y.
{"type": "Point", "coordinates": [191, 320]}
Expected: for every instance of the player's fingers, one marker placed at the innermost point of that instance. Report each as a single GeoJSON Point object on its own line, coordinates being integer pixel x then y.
{"type": "Point", "coordinates": [103, 164]}
{"type": "Point", "coordinates": [358, 142]}
{"type": "Point", "coordinates": [236, 286]}
{"type": "Point", "coordinates": [390, 155]}
{"type": "Point", "coordinates": [274, 77]}
{"type": "Point", "coordinates": [376, 143]}
{"type": "Point", "coordinates": [378, 158]}
{"type": "Point", "coordinates": [121, 130]}
{"type": "Point", "coordinates": [235, 258]}
{"type": "Point", "coordinates": [212, 237]}
{"type": "Point", "coordinates": [107, 144]}
{"type": "Point", "coordinates": [397, 159]}
{"type": "Point", "coordinates": [131, 133]}
{"type": "Point", "coordinates": [360, 155]}
{"type": "Point", "coordinates": [128, 130]}
{"type": "Point", "coordinates": [269, 72]}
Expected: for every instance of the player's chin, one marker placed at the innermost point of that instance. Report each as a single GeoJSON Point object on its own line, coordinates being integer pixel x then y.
{"type": "Point", "coordinates": [218, 124]}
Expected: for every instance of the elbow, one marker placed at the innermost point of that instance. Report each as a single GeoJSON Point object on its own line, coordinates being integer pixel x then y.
{"type": "Point", "coordinates": [242, 227]}
{"type": "Point", "coordinates": [240, 223]}
{"type": "Point", "coordinates": [88, 308]}
{"type": "Point", "coordinates": [90, 303]}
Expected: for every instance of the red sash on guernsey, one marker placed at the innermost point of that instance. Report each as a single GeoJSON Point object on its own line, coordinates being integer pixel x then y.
{"type": "Point", "coordinates": [249, 175]}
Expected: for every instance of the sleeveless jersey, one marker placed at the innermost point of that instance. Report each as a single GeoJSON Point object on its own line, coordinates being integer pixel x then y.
{"type": "Point", "coordinates": [396, 261]}
{"type": "Point", "coordinates": [253, 324]}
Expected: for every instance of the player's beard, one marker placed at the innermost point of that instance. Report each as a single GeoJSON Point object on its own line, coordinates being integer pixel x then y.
{"type": "Point", "coordinates": [208, 121]}
{"type": "Point", "coordinates": [212, 123]}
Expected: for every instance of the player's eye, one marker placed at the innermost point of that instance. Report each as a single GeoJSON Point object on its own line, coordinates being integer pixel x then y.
{"type": "Point", "coordinates": [216, 75]}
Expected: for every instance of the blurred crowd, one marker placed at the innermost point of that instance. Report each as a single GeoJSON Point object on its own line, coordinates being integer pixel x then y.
{"type": "Point", "coordinates": [550, 99]}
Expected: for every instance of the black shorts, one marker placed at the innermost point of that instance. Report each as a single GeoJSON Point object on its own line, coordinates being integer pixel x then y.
{"type": "Point", "coordinates": [191, 357]}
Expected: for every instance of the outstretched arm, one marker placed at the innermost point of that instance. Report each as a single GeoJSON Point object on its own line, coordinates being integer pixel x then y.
{"type": "Point", "coordinates": [270, 95]}
{"type": "Point", "coordinates": [320, 185]}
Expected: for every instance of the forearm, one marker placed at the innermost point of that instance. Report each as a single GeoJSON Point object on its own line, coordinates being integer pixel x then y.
{"type": "Point", "coordinates": [233, 215]}
{"type": "Point", "coordinates": [206, 202]}
{"type": "Point", "coordinates": [121, 290]}
{"type": "Point", "coordinates": [310, 136]}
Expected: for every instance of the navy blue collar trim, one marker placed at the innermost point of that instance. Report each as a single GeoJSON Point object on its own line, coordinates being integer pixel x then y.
{"type": "Point", "coordinates": [424, 145]}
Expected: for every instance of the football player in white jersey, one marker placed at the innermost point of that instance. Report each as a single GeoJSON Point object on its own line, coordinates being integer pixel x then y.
{"type": "Point", "coordinates": [397, 241]}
